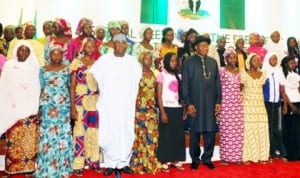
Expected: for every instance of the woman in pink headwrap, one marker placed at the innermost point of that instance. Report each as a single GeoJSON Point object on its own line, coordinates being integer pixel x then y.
{"type": "Point", "coordinates": [231, 121]}
{"type": "Point", "coordinates": [254, 40]}
{"type": "Point", "coordinates": [61, 37]}
{"type": "Point", "coordinates": [84, 30]}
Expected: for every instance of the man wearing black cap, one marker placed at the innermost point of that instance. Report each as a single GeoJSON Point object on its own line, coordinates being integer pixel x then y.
{"type": "Point", "coordinates": [202, 95]}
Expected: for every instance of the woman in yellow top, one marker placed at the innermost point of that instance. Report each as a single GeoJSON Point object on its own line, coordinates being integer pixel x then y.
{"type": "Point", "coordinates": [241, 54]}
{"type": "Point", "coordinates": [166, 46]}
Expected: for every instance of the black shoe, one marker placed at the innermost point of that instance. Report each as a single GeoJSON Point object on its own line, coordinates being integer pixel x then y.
{"type": "Point", "coordinates": [127, 170]}
{"type": "Point", "coordinates": [108, 171]}
{"type": "Point", "coordinates": [194, 166]}
{"type": "Point", "coordinates": [210, 165]}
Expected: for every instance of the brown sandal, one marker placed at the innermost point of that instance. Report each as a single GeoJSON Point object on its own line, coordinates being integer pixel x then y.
{"type": "Point", "coordinates": [29, 174]}
{"type": "Point", "coordinates": [5, 175]}
{"type": "Point", "coordinates": [78, 172]}
{"type": "Point", "coordinates": [224, 163]}
{"type": "Point", "coordinates": [97, 170]}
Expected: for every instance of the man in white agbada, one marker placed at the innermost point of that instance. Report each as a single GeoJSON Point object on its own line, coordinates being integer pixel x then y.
{"type": "Point", "coordinates": [118, 76]}
{"type": "Point", "coordinates": [19, 88]}
{"type": "Point", "coordinates": [275, 46]}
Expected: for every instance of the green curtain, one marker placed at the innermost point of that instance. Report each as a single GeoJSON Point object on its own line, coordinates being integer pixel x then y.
{"type": "Point", "coordinates": [232, 14]}
{"type": "Point", "coordinates": [154, 11]}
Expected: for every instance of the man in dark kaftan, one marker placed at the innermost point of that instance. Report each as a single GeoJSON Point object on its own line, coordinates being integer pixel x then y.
{"type": "Point", "coordinates": [202, 95]}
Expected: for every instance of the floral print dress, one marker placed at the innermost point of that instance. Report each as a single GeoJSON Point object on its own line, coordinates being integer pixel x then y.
{"type": "Point", "coordinates": [55, 154]}
{"type": "Point", "coordinates": [144, 158]}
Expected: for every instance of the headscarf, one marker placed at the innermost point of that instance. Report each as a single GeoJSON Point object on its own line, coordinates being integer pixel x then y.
{"type": "Point", "coordinates": [19, 88]}
{"type": "Point", "coordinates": [114, 24]}
{"type": "Point", "coordinates": [220, 38]}
{"type": "Point", "coordinates": [123, 22]}
{"type": "Point", "coordinates": [65, 25]}
{"type": "Point", "coordinates": [99, 27]}
{"type": "Point", "coordinates": [82, 22]}
{"type": "Point", "coordinates": [142, 31]}
{"type": "Point", "coordinates": [84, 41]}
{"type": "Point", "coordinates": [249, 58]}
{"type": "Point", "coordinates": [143, 54]}
{"type": "Point", "coordinates": [229, 51]}
{"type": "Point", "coordinates": [56, 46]}
{"type": "Point", "coordinates": [48, 22]}
{"type": "Point", "coordinates": [27, 24]}
{"type": "Point", "coordinates": [9, 27]}
{"type": "Point", "coordinates": [179, 32]}
{"type": "Point", "coordinates": [266, 64]}
{"type": "Point", "coordinates": [257, 37]}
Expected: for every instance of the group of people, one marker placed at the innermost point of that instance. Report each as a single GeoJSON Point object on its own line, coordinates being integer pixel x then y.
{"type": "Point", "coordinates": [72, 103]}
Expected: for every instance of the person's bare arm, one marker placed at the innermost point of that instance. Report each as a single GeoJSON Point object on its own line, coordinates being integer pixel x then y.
{"type": "Point", "coordinates": [72, 97]}
{"type": "Point", "coordinates": [163, 114]}
{"type": "Point", "coordinates": [286, 102]}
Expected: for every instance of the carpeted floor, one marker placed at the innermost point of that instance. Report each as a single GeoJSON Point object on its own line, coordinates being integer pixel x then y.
{"type": "Point", "coordinates": [276, 169]}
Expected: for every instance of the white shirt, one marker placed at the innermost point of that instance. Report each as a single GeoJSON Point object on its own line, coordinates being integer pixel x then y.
{"type": "Point", "coordinates": [291, 85]}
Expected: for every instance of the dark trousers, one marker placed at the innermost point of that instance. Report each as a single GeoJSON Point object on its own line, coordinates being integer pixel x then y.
{"type": "Point", "coordinates": [275, 134]}
{"type": "Point", "coordinates": [209, 144]}
{"type": "Point", "coordinates": [187, 124]}
{"type": "Point", "coordinates": [291, 134]}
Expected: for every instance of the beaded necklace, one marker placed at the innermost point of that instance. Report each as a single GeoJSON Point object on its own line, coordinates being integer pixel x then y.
{"type": "Point", "coordinates": [205, 75]}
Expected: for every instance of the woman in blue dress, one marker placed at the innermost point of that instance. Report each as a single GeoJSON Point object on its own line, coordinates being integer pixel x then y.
{"type": "Point", "coordinates": [55, 154]}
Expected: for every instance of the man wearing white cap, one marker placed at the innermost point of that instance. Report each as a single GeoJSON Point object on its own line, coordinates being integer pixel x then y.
{"type": "Point", "coordinates": [118, 76]}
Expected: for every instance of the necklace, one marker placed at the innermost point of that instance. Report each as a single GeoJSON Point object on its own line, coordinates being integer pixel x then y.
{"type": "Point", "coordinates": [205, 75]}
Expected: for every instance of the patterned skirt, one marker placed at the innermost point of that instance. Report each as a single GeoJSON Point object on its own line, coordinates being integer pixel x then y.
{"type": "Point", "coordinates": [21, 146]}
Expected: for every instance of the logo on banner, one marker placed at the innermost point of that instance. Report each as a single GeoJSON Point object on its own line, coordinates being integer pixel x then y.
{"type": "Point", "coordinates": [191, 9]}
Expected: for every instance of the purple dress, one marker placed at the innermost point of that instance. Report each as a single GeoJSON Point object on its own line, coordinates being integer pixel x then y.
{"type": "Point", "coordinates": [231, 118]}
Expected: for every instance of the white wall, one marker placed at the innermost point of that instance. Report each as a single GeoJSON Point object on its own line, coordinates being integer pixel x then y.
{"type": "Point", "coordinates": [263, 16]}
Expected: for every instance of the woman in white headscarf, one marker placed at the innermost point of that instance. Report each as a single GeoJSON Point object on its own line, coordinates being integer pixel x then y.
{"type": "Point", "coordinates": [20, 89]}
{"type": "Point", "coordinates": [272, 87]}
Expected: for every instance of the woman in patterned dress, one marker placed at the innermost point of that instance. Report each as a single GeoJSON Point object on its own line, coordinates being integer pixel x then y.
{"type": "Point", "coordinates": [84, 95]}
{"type": "Point", "coordinates": [84, 30]}
{"type": "Point", "coordinates": [55, 154]}
{"type": "Point", "coordinates": [256, 130]}
{"type": "Point", "coordinates": [19, 93]}
{"type": "Point", "coordinates": [231, 121]}
{"type": "Point", "coordinates": [144, 158]}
